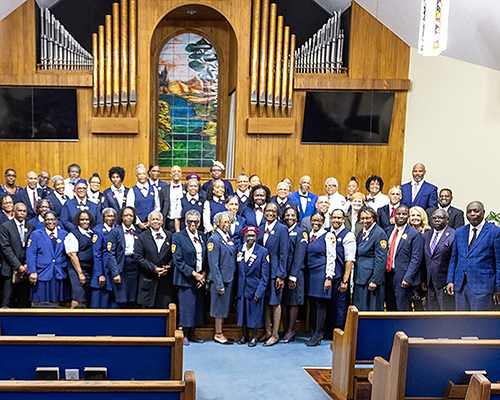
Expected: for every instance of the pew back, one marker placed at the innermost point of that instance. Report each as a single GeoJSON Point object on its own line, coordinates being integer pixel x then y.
{"type": "Point", "coordinates": [125, 357]}
{"type": "Point", "coordinates": [86, 322]}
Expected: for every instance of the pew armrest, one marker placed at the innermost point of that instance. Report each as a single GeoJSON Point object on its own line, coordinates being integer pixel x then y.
{"type": "Point", "coordinates": [479, 388]}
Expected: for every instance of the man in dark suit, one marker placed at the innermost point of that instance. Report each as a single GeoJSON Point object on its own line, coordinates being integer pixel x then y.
{"type": "Point", "coordinates": [403, 262]}
{"type": "Point", "coordinates": [29, 195]}
{"type": "Point", "coordinates": [14, 235]}
{"type": "Point", "coordinates": [154, 257]}
{"type": "Point", "coordinates": [43, 184]}
{"type": "Point", "coordinates": [304, 198]}
{"type": "Point", "coordinates": [444, 200]}
{"type": "Point", "coordinates": [386, 213]}
{"type": "Point", "coordinates": [438, 244]}
{"type": "Point", "coordinates": [474, 272]}
{"type": "Point", "coordinates": [170, 200]}
{"type": "Point", "coordinates": [418, 192]}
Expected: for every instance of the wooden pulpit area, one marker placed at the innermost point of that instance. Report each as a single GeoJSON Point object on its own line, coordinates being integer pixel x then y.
{"type": "Point", "coordinates": [142, 351]}
{"type": "Point", "coordinates": [413, 355]}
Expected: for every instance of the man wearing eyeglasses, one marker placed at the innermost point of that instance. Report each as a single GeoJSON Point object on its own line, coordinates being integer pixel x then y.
{"type": "Point", "coordinates": [438, 244]}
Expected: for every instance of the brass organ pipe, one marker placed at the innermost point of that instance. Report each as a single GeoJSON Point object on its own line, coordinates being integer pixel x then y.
{"type": "Point", "coordinates": [95, 85]}
{"type": "Point", "coordinates": [271, 52]}
{"type": "Point", "coordinates": [133, 56]}
{"type": "Point", "coordinates": [254, 77]}
{"type": "Point", "coordinates": [263, 52]}
{"type": "Point", "coordinates": [124, 56]}
{"type": "Point", "coordinates": [109, 65]}
{"type": "Point", "coordinates": [279, 49]}
{"type": "Point", "coordinates": [292, 71]}
{"type": "Point", "coordinates": [116, 58]}
{"type": "Point", "coordinates": [101, 70]}
{"type": "Point", "coordinates": [284, 79]}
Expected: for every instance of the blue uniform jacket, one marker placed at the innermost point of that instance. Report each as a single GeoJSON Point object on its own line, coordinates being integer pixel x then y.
{"type": "Point", "coordinates": [221, 260]}
{"type": "Point", "coordinates": [56, 204]}
{"type": "Point", "coordinates": [184, 257]}
{"type": "Point", "coordinates": [298, 240]}
{"type": "Point", "coordinates": [71, 207]}
{"type": "Point", "coordinates": [251, 220]}
{"type": "Point", "coordinates": [253, 275]}
{"type": "Point", "coordinates": [481, 263]}
{"type": "Point", "coordinates": [101, 256]}
{"type": "Point", "coordinates": [111, 200]}
{"type": "Point", "coordinates": [116, 250]}
{"type": "Point", "coordinates": [240, 223]}
{"type": "Point", "coordinates": [42, 258]}
{"type": "Point", "coordinates": [277, 245]}
{"type": "Point", "coordinates": [371, 257]}
{"type": "Point", "coordinates": [426, 196]}
{"type": "Point", "coordinates": [22, 197]}
{"type": "Point", "coordinates": [287, 204]}
{"type": "Point", "coordinates": [310, 207]}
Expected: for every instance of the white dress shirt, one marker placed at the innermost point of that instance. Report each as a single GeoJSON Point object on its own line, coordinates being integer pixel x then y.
{"type": "Point", "coordinates": [198, 248]}
{"type": "Point", "coordinates": [401, 231]}
{"type": "Point", "coordinates": [337, 201]}
{"type": "Point", "coordinates": [248, 252]}
{"type": "Point", "coordinates": [479, 228]}
{"type": "Point", "coordinates": [176, 195]}
{"type": "Point", "coordinates": [349, 244]}
{"type": "Point", "coordinates": [380, 200]}
{"type": "Point", "coordinates": [270, 228]}
{"type": "Point", "coordinates": [71, 244]}
{"type": "Point", "coordinates": [69, 188]}
{"type": "Point", "coordinates": [129, 240]}
{"type": "Point", "coordinates": [159, 241]}
{"type": "Point", "coordinates": [145, 192]}
{"type": "Point", "coordinates": [118, 193]}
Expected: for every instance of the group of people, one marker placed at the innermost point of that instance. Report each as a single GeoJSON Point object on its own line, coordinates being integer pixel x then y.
{"type": "Point", "coordinates": [159, 242]}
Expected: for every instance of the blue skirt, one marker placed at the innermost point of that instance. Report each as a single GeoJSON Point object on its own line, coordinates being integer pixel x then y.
{"type": "Point", "coordinates": [126, 292]}
{"type": "Point", "coordinates": [191, 306]}
{"type": "Point", "coordinates": [80, 293]}
{"type": "Point", "coordinates": [317, 278]}
{"type": "Point", "coordinates": [250, 313]}
{"type": "Point", "coordinates": [102, 298]}
{"type": "Point", "coordinates": [49, 291]}
{"type": "Point", "coordinates": [295, 297]}
{"type": "Point", "coordinates": [220, 304]}
{"type": "Point", "coordinates": [273, 296]}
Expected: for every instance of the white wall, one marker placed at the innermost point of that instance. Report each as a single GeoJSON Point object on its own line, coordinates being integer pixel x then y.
{"type": "Point", "coordinates": [453, 127]}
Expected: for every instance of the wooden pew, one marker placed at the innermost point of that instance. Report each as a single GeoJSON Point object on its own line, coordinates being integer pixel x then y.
{"type": "Point", "coordinates": [89, 322]}
{"type": "Point", "coordinates": [138, 358]}
{"type": "Point", "coordinates": [370, 334]}
{"type": "Point", "coordinates": [100, 390]}
{"type": "Point", "coordinates": [419, 368]}
{"type": "Point", "coordinates": [479, 388]}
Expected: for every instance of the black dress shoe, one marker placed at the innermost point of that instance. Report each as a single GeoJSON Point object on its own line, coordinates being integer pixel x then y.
{"type": "Point", "coordinates": [264, 338]}
{"type": "Point", "coordinates": [243, 340]}
{"type": "Point", "coordinates": [267, 344]}
{"type": "Point", "coordinates": [195, 339]}
{"type": "Point", "coordinates": [252, 342]}
{"type": "Point", "coordinates": [288, 338]}
{"type": "Point", "coordinates": [315, 341]}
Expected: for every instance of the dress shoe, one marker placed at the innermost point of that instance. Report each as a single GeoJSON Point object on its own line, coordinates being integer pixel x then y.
{"type": "Point", "coordinates": [195, 339]}
{"type": "Point", "coordinates": [288, 338]}
{"type": "Point", "coordinates": [252, 342]}
{"type": "Point", "coordinates": [264, 338]}
{"type": "Point", "coordinates": [185, 341]}
{"type": "Point", "coordinates": [269, 344]}
{"type": "Point", "coordinates": [315, 341]}
{"type": "Point", "coordinates": [227, 341]}
{"type": "Point", "coordinates": [243, 340]}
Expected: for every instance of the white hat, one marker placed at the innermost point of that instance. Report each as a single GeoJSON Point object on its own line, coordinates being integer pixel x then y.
{"type": "Point", "coordinates": [218, 163]}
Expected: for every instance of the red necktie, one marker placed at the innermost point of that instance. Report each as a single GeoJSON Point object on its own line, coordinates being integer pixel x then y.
{"type": "Point", "coordinates": [392, 249]}
{"type": "Point", "coordinates": [393, 212]}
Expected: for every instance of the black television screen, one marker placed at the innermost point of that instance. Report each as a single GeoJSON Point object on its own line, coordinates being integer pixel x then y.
{"type": "Point", "coordinates": [29, 113]}
{"type": "Point", "coordinates": [347, 117]}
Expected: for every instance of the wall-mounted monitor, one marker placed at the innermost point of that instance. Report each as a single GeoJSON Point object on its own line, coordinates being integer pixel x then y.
{"type": "Point", "coordinates": [347, 117]}
{"type": "Point", "coordinates": [32, 113]}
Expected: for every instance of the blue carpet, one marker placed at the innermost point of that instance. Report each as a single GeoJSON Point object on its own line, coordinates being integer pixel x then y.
{"type": "Point", "coordinates": [238, 372]}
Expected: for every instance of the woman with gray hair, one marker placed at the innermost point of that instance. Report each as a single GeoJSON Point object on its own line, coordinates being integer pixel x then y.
{"type": "Point", "coordinates": [332, 191]}
{"type": "Point", "coordinates": [57, 197]}
{"type": "Point", "coordinates": [222, 268]}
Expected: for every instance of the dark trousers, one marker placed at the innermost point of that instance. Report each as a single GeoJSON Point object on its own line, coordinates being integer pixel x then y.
{"type": "Point", "coordinates": [437, 299]}
{"type": "Point", "coordinates": [397, 298]}
{"type": "Point", "coordinates": [15, 294]}
{"type": "Point", "coordinates": [465, 300]}
{"type": "Point", "coordinates": [337, 307]}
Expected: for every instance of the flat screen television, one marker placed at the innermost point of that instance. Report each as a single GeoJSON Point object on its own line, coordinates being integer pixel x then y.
{"type": "Point", "coordinates": [347, 117]}
{"type": "Point", "coordinates": [29, 113]}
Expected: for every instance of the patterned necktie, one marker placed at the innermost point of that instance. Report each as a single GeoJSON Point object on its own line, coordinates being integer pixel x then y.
{"type": "Point", "coordinates": [313, 238]}
{"type": "Point", "coordinates": [370, 200]}
{"type": "Point", "coordinates": [434, 243]}
{"type": "Point", "coordinates": [129, 231]}
{"type": "Point", "coordinates": [392, 249]}
{"type": "Point", "coordinates": [35, 203]}
{"type": "Point", "coordinates": [159, 236]}
{"type": "Point", "coordinates": [474, 237]}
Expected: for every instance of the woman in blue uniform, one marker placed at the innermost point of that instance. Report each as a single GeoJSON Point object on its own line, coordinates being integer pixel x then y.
{"type": "Point", "coordinates": [233, 206]}
{"type": "Point", "coordinates": [215, 203]}
{"type": "Point", "coordinates": [121, 263]}
{"type": "Point", "coordinates": [116, 195]}
{"type": "Point", "coordinates": [6, 207]}
{"type": "Point", "coordinates": [78, 246]}
{"type": "Point", "coordinates": [57, 197]}
{"type": "Point", "coordinates": [94, 192]}
{"type": "Point", "coordinates": [192, 200]}
{"type": "Point", "coordinates": [101, 288]}
{"type": "Point", "coordinates": [47, 262]}
{"type": "Point", "coordinates": [320, 261]}
{"type": "Point", "coordinates": [189, 252]}
{"type": "Point", "coordinates": [78, 203]}
{"type": "Point", "coordinates": [222, 267]}
{"type": "Point", "coordinates": [41, 208]}
{"type": "Point", "coordinates": [253, 275]}
{"type": "Point", "coordinates": [293, 292]}
{"type": "Point", "coordinates": [254, 212]}
{"type": "Point", "coordinates": [371, 259]}
{"type": "Point", "coordinates": [274, 237]}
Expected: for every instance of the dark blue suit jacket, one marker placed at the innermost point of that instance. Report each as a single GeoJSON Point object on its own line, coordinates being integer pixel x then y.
{"type": "Point", "coordinates": [55, 203]}
{"type": "Point", "coordinates": [310, 207]}
{"type": "Point", "coordinates": [22, 197]}
{"type": "Point", "coordinates": [436, 264]}
{"type": "Point", "coordinates": [249, 215]}
{"type": "Point", "coordinates": [111, 199]}
{"type": "Point", "coordinates": [253, 275]}
{"type": "Point", "coordinates": [408, 256]}
{"type": "Point", "coordinates": [426, 196]}
{"type": "Point", "coordinates": [298, 239]}
{"type": "Point", "coordinates": [41, 257]}
{"type": "Point", "coordinates": [277, 245]}
{"type": "Point", "coordinates": [371, 257]}
{"type": "Point", "coordinates": [481, 263]}
{"type": "Point", "coordinates": [70, 209]}
{"type": "Point", "coordinates": [116, 250]}
{"type": "Point", "coordinates": [236, 236]}
{"type": "Point", "coordinates": [384, 216]}
{"type": "Point", "coordinates": [221, 261]}
{"type": "Point", "coordinates": [101, 256]}
{"type": "Point", "coordinates": [289, 203]}
{"type": "Point", "coordinates": [184, 257]}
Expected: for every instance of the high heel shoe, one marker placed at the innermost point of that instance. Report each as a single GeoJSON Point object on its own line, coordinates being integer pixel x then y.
{"type": "Point", "coordinates": [314, 341]}
{"type": "Point", "coordinates": [288, 338]}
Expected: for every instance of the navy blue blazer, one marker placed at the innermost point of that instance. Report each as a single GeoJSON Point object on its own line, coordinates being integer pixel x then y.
{"type": "Point", "coordinates": [221, 260]}
{"type": "Point", "coordinates": [56, 204]}
{"type": "Point", "coordinates": [298, 239]}
{"type": "Point", "coordinates": [384, 216]}
{"type": "Point", "coordinates": [184, 257]}
{"type": "Point", "coordinates": [277, 245]}
{"type": "Point", "coordinates": [116, 250]}
{"type": "Point", "coordinates": [236, 235]}
{"type": "Point", "coordinates": [44, 259]}
{"type": "Point", "coordinates": [22, 197]}
{"type": "Point", "coordinates": [310, 207]}
{"type": "Point", "coordinates": [426, 196]}
{"type": "Point", "coordinates": [70, 209]}
{"type": "Point", "coordinates": [436, 264]}
{"type": "Point", "coordinates": [371, 257]}
{"type": "Point", "coordinates": [481, 262]}
{"type": "Point", "coordinates": [101, 256]}
{"type": "Point", "coordinates": [287, 204]}
{"type": "Point", "coordinates": [456, 217]}
{"type": "Point", "coordinates": [112, 202]}
{"type": "Point", "coordinates": [249, 215]}
{"type": "Point", "coordinates": [408, 256]}
{"type": "Point", "coordinates": [253, 275]}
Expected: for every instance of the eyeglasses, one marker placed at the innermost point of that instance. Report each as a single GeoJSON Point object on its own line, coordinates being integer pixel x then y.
{"type": "Point", "coordinates": [192, 222]}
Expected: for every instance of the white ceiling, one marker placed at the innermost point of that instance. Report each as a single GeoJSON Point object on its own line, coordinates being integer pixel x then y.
{"type": "Point", "coordinates": [474, 27]}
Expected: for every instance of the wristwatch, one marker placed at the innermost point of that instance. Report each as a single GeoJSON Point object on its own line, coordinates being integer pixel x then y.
{"type": "Point", "coordinates": [344, 281]}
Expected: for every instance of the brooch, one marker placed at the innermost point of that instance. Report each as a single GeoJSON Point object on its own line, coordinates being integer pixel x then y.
{"type": "Point", "coordinates": [404, 236]}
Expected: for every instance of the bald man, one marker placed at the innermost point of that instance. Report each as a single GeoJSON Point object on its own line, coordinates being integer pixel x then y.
{"type": "Point", "coordinates": [304, 198]}
{"type": "Point", "coordinates": [418, 192]}
{"type": "Point", "coordinates": [29, 195]}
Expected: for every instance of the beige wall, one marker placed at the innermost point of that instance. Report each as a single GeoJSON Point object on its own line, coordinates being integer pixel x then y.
{"type": "Point", "coordinates": [453, 127]}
